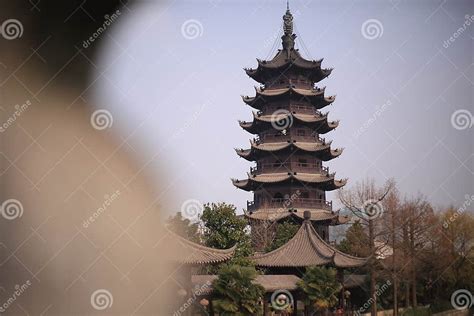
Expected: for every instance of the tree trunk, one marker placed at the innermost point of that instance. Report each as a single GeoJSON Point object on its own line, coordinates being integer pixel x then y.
{"type": "Point", "coordinates": [372, 269]}
{"type": "Point", "coordinates": [407, 294]}
{"type": "Point", "coordinates": [394, 262]}
{"type": "Point", "coordinates": [395, 295]}
{"type": "Point", "coordinates": [211, 308]}
{"type": "Point", "coordinates": [413, 288]}
{"type": "Point", "coordinates": [413, 263]}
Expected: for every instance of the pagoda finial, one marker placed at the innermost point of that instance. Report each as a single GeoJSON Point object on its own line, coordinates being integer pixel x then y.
{"type": "Point", "coordinates": [288, 21]}
{"type": "Point", "coordinates": [288, 38]}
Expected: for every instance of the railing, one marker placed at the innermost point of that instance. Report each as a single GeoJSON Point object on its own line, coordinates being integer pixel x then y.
{"type": "Point", "coordinates": [292, 136]}
{"type": "Point", "coordinates": [290, 203]}
{"type": "Point", "coordinates": [293, 166]}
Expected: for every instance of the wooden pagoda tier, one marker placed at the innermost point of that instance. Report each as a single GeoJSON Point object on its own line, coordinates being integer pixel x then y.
{"type": "Point", "coordinates": [307, 249]}
{"type": "Point", "coordinates": [324, 182]}
{"type": "Point", "coordinates": [258, 150]}
{"type": "Point", "coordinates": [311, 97]}
{"type": "Point", "coordinates": [316, 122]}
{"type": "Point", "coordinates": [289, 177]}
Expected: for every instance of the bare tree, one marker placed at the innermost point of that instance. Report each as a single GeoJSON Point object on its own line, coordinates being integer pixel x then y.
{"type": "Point", "coordinates": [392, 224]}
{"type": "Point", "coordinates": [417, 220]}
{"type": "Point", "coordinates": [365, 202]}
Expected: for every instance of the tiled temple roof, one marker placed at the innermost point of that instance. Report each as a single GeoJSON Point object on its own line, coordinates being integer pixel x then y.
{"type": "Point", "coordinates": [314, 96]}
{"type": "Point", "coordinates": [305, 249]}
{"type": "Point", "coordinates": [323, 150]}
{"type": "Point", "coordinates": [284, 61]}
{"type": "Point", "coordinates": [327, 182]}
{"type": "Point", "coordinates": [319, 123]}
{"type": "Point", "coordinates": [269, 282]}
{"type": "Point", "coordinates": [188, 252]}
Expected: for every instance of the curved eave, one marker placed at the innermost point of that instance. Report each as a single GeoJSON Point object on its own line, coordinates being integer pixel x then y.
{"type": "Point", "coordinates": [191, 253]}
{"type": "Point", "coordinates": [319, 124]}
{"type": "Point", "coordinates": [323, 151]}
{"type": "Point", "coordinates": [281, 63]}
{"type": "Point", "coordinates": [317, 215]}
{"type": "Point", "coordinates": [290, 90]}
{"type": "Point", "coordinates": [319, 101]}
{"type": "Point", "coordinates": [326, 183]}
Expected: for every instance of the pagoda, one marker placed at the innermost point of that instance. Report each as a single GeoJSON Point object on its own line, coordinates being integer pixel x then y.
{"type": "Point", "coordinates": [289, 177]}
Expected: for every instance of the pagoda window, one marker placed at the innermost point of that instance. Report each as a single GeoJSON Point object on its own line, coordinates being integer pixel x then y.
{"type": "Point", "coordinates": [278, 196]}
{"type": "Point", "coordinates": [302, 162]}
{"type": "Point", "coordinates": [304, 195]}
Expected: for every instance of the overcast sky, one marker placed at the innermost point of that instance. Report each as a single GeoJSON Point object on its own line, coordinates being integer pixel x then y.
{"type": "Point", "coordinates": [175, 94]}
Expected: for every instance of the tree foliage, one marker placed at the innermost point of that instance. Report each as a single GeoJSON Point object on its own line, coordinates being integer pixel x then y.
{"type": "Point", "coordinates": [284, 232]}
{"type": "Point", "coordinates": [223, 229]}
{"type": "Point", "coordinates": [356, 241]}
{"type": "Point", "coordinates": [321, 287]}
{"type": "Point", "coordinates": [235, 292]}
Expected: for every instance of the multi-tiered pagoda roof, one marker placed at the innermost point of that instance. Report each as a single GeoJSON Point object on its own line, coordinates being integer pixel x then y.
{"type": "Point", "coordinates": [289, 177]}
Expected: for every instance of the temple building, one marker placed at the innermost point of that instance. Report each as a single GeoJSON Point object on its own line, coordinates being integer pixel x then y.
{"type": "Point", "coordinates": [287, 148]}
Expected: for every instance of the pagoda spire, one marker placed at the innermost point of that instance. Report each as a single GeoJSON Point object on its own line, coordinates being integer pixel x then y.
{"type": "Point", "coordinates": [288, 38]}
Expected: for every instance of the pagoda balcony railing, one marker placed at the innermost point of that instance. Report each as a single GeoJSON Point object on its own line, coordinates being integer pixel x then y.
{"type": "Point", "coordinates": [304, 109]}
{"type": "Point", "coordinates": [294, 108]}
{"type": "Point", "coordinates": [294, 166]}
{"type": "Point", "coordinates": [284, 204]}
{"type": "Point", "coordinates": [285, 138]}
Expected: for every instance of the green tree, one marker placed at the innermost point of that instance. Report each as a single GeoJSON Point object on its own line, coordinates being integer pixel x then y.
{"type": "Point", "coordinates": [223, 229]}
{"type": "Point", "coordinates": [321, 287]}
{"type": "Point", "coordinates": [183, 227]}
{"type": "Point", "coordinates": [356, 241]}
{"type": "Point", "coordinates": [235, 293]}
{"type": "Point", "coordinates": [284, 232]}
